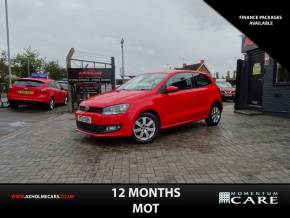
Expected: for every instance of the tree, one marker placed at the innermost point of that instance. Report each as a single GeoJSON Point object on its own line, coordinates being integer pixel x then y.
{"type": "Point", "coordinates": [217, 75]}
{"type": "Point", "coordinates": [54, 70]}
{"type": "Point", "coordinates": [29, 60]}
{"type": "Point", "coordinates": [3, 66]}
{"type": "Point", "coordinates": [228, 75]}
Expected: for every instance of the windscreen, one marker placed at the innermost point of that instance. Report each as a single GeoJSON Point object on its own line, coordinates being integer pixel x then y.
{"type": "Point", "coordinates": [144, 82]}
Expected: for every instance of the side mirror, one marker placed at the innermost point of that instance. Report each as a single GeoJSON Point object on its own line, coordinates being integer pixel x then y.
{"type": "Point", "coordinates": [171, 89]}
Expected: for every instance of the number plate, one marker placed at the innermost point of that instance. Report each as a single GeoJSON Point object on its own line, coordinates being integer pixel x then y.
{"type": "Point", "coordinates": [25, 92]}
{"type": "Point", "coordinates": [84, 119]}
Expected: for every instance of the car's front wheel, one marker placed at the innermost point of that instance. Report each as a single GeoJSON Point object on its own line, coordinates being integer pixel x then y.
{"type": "Point", "coordinates": [146, 128]}
{"type": "Point", "coordinates": [214, 115]}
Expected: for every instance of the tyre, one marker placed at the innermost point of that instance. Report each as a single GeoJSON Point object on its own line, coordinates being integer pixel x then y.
{"type": "Point", "coordinates": [145, 128]}
{"type": "Point", "coordinates": [51, 104]}
{"type": "Point", "coordinates": [13, 105]}
{"type": "Point", "coordinates": [214, 115]}
{"type": "Point", "coordinates": [65, 100]}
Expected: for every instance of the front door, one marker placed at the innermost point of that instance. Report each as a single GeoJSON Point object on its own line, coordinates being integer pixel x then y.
{"type": "Point", "coordinates": [255, 78]}
{"type": "Point", "coordinates": [177, 105]}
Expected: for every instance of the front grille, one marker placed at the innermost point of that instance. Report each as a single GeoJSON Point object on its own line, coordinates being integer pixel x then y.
{"type": "Point", "coordinates": [90, 109]}
{"type": "Point", "coordinates": [90, 127]}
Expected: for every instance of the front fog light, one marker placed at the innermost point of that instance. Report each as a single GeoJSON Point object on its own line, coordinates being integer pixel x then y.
{"type": "Point", "coordinates": [113, 128]}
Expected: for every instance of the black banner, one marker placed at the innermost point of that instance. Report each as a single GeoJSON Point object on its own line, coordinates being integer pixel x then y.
{"type": "Point", "coordinates": [90, 74]}
{"type": "Point", "coordinates": [158, 199]}
{"type": "Point", "coordinates": [266, 23]}
{"type": "Point", "coordinates": [87, 82]}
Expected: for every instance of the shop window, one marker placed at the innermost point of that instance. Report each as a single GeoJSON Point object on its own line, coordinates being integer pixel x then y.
{"type": "Point", "coordinates": [282, 76]}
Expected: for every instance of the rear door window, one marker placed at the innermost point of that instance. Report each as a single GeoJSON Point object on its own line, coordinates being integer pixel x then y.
{"type": "Point", "coordinates": [28, 83]}
{"type": "Point", "coordinates": [52, 85]}
{"type": "Point", "coordinates": [58, 86]}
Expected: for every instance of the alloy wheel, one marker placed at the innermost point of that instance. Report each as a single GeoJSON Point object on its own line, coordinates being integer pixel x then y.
{"type": "Point", "coordinates": [51, 104]}
{"type": "Point", "coordinates": [215, 114]}
{"type": "Point", "coordinates": [144, 128]}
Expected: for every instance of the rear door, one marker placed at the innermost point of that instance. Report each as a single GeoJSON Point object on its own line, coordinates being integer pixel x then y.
{"type": "Point", "coordinates": [61, 93]}
{"type": "Point", "coordinates": [54, 92]}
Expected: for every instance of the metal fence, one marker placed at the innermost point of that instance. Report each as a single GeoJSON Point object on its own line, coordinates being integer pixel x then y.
{"type": "Point", "coordinates": [3, 95]}
{"type": "Point", "coordinates": [88, 75]}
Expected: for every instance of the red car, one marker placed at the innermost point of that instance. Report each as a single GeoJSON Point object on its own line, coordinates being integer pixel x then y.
{"type": "Point", "coordinates": [36, 91]}
{"type": "Point", "coordinates": [228, 92]}
{"type": "Point", "coordinates": [149, 103]}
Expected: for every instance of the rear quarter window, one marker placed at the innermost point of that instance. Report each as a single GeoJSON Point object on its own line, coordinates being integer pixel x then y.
{"type": "Point", "coordinates": [201, 80]}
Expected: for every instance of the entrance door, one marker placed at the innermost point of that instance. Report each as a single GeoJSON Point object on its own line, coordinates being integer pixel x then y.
{"type": "Point", "coordinates": [255, 78]}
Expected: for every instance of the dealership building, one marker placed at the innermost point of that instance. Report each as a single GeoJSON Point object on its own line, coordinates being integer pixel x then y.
{"type": "Point", "coordinates": [263, 84]}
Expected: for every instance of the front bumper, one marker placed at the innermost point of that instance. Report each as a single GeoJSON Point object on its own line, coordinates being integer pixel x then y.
{"type": "Point", "coordinates": [100, 122]}
{"type": "Point", "coordinates": [231, 97]}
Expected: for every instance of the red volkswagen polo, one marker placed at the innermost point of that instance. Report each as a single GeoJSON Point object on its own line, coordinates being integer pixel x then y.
{"type": "Point", "coordinates": [149, 103]}
{"type": "Point", "coordinates": [36, 91]}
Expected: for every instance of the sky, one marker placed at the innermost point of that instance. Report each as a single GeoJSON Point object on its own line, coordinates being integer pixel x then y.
{"type": "Point", "coordinates": [157, 34]}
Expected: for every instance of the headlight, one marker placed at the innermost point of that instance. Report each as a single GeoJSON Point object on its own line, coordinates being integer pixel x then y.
{"type": "Point", "coordinates": [116, 109]}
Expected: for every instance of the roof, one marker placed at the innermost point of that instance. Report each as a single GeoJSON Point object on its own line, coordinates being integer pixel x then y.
{"type": "Point", "coordinates": [181, 71]}
{"type": "Point", "coordinates": [125, 77]}
{"type": "Point", "coordinates": [36, 79]}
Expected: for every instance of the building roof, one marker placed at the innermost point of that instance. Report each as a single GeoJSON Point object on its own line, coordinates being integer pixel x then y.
{"type": "Point", "coordinates": [194, 67]}
{"type": "Point", "coordinates": [191, 67]}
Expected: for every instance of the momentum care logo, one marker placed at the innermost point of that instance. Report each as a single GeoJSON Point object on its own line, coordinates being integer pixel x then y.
{"type": "Point", "coordinates": [248, 197]}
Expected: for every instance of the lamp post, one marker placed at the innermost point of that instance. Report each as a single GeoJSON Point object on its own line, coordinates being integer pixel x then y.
{"type": "Point", "coordinates": [8, 44]}
{"type": "Point", "coordinates": [28, 66]}
{"type": "Point", "coordinates": [123, 68]}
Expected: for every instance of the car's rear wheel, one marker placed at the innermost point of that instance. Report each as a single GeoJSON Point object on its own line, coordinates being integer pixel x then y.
{"type": "Point", "coordinates": [146, 128]}
{"type": "Point", "coordinates": [51, 104]}
{"type": "Point", "coordinates": [214, 115]}
{"type": "Point", "coordinates": [65, 100]}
